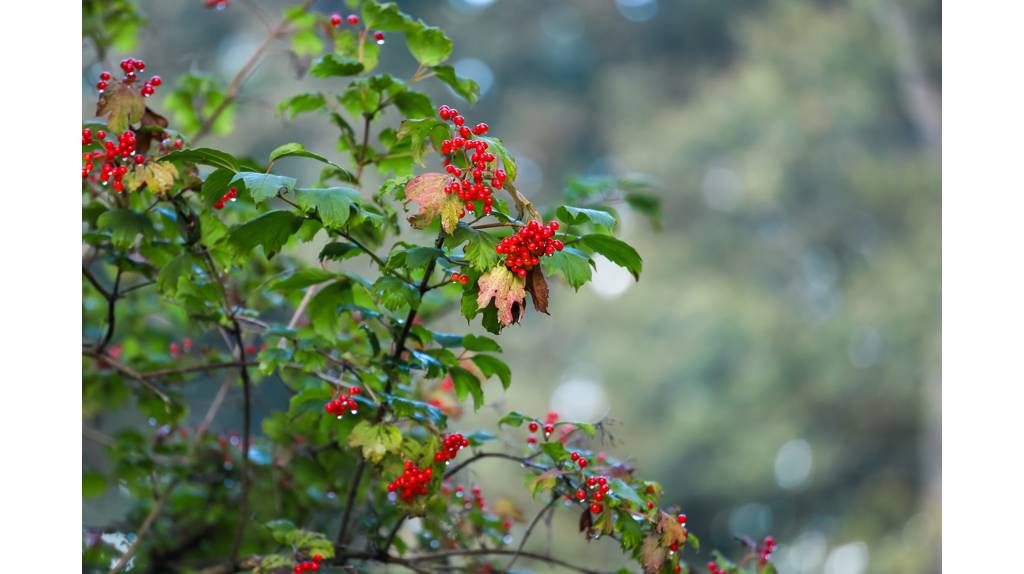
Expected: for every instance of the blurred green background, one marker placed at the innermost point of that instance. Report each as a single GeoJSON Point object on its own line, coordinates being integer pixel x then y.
{"type": "Point", "coordinates": [777, 366]}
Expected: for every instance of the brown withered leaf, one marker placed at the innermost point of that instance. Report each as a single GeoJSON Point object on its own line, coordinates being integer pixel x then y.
{"type": "Point", "coordinates": [585, 520]}
{"type": "Point", "coordinates": [537, 286]}
{"type": "Point", "coordinates": [671, 531]}
{"type": "Point", "coordinates": [153, 126]}
{"type": "Point", "coordinates": [122, 105]}
{"type": "Point", "coordinates": [652, 554]}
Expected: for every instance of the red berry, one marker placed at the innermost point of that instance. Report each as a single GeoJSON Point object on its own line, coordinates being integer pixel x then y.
{"type": "Point", "coordinates": [101, 85]}
{"type": "Point", "coordinates": [353, 19]}
{"type": "Point", "coordinates": [379, 37]}
{"type": "Point", "coordinates": [335, 19]}
{"type": "Point", "coordinates": [139, 159]}
{"type": "Point", "coordinates": [595, 508]}
{"type": "Point", "coordinates": [458, 120]}
{"type": "Point", "coordinates": [534, 426]}
{"type": "Point", "coordinates": [681, 519]}
{"type": "Point", "coordinates": [582, 462]}
{"type": "Point", "coordinates": [156, 81]}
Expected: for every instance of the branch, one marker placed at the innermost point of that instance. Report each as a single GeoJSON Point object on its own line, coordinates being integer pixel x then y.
{"type": "Point", "coordinates": [236, 83]}
{"type": "Point", "coordinates": [126, 370]}
{"type": "Point", "coordinates": [526, 461]}
{"type": "Point", "coordinates": [146, 524]}
{"type": "Point", "coordinates": [529, 529]}
{"type": "Point", "coordinates": [111, 312]}
{"type": "Point", "coordinates": [391, 535]}
{"type": "Point", "coordinates": [246, 438]}
{"type": "Point", "coordinates": [350, 501]}
{"type": "Point", "coordinates": [501, 552]}
{"type": "Point", "coordinates": [162, 373]}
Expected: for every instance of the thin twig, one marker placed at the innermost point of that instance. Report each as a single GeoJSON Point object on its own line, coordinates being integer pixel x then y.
{"type": "Point", "coordinates": [146, 524]}
{"type": "Point", "coordinates": [526, 461]}
{"type": "Point", "coordinates": [350, 501]}
{"type": "Point", "coordinates": [391, 535]}
{"type": "Point", "coordinates": [243, 505]}
{"type": "Point", "coordinates": [529, 529]}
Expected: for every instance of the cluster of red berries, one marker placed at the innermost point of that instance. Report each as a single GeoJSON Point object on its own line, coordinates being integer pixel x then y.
{"type": "Point", "coordinates": [115, 156]}
{"type": "Point", "coordinates": [524, 249]}
{"type": "Point", "coordinates": [714, 569]}
{"type": "Point", "coordinates": [598, 488]}
{"type": "Point", "coordinates": [549, 427]}
{"type": "Point", "coordinates": [308, 565]}
{"type": "Point", "coordinates": [412, 483]}
{"type": "Point", "coordinates": [452, 444]}
{"type": "Point", "coordinates": [459, 278]}
{"type": "Point", "coordinates": [175, 350]}
{"type": "Point", "coordinates": [217, 4]}
{"type": "Point", "coordinates": [579, 459]}
{"type": "Point", "coordinates": [767, 549]}
{"type": "Point", "coordinates": [341, 403]}
{"type": "Point", "coordinates": [130, 67]}
{"type": "Point", "coordinates": [231, 195]}
{"type": "Point", "coordinates": [353, 20]}
{"type": "Point", "coordinates": [250, 349]}
{"type": "Point", "coordinates": [468, 184]}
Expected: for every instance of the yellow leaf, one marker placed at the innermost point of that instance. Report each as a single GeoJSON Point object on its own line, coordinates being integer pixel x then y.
{"type": "Point", "coordinates": [428, 191]}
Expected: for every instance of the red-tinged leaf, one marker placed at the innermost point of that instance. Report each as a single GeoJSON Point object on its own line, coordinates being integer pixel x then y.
{"type": "Point", "coordinates": [671, 531]}
{"type": "Point", "coordinates": [122, 105]}
{"type": "Point", "coordinates": [585, 521]}
{"type": "Point", "coordinates": [506, 289]}
{"type": "Point", "coordinates": [537, 286]}
{"type": "Point", "coordinates": [652, 554]}
{"type": "Point", "coordinates": [428, 191]}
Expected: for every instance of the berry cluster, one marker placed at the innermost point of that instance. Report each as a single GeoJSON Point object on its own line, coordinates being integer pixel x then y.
{"type": "Point", "coordinates": [341, 403]}
{"type": "Point", "coordinates": [470, 184]}
{"type": "Point", "coordinates": [353, 20]}
{"type": "Point", "coordinates": [714, 569]}
{"type": "Point", "coordinates": [130, 67]}
{"type": "Point", "coordinates": [579, 459]}
{"type": "Point", "coordinates": [231, 195]}
{"type": "Point", "coordinates": [412, 483]}
{"type": "Point", "coordinates": [598, 488]}
{"type": "Point", "coordinates": [549, 427]}
{"type": "Point", "coordinates": [115, 156]}
{"type": "Point", "coordinates": [452, 444]}
{"type": "Point", "coordinates": [459, 278]}
{"type": "Point", "coordinates": [767, 549]}
{"type": "Point", "coordinates": [523, 250]}
{"type": "Point", "coordinates": [308, 565]}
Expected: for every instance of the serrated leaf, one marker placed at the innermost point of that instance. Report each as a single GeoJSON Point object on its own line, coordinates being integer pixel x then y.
{"type": "Point", "coordinates": [122, 105]}
{"type": "Point", "coordinates": [631, 533]}
{"type": "Point", "coordinates": [170, 273]}
{"type": "Point", "coordinates": [388, 17]}
{"type": "Point", "coordinates": [263, 186]}
{"type": "Point", "coordinates": [216, 184]}
{"type": "Point", "coordinates": [333, 65]}
{"type": "Point", "coordinates": [375, 440]}
{"type": "Point", "coordinates": [270, 230]}
{"type": "Point", "coordinates": [430, 46]}
{"type": "Point", "coordinates": [480, 251]}
{"type": "Point", "coordinates": [418, 131]}
{"type": "Point", "coordinates": [579, 215]}
{"type": "Point", "coordinates": [507, 161]}
{"type": "Point", "coordinates": [624, 491]}
{"type": "Point", "coordinates": [615, 250]}
{"type": "Point", "coordinates": [417, 257]}
{"type": "Point", "coordinates": [467, 383]}
{"type": "Point", "coordinates": [124, 225]}
{"type": "Point", "coordinates": [480, 344]}
{"type": "Point", "coordinates": [338, 251]}
{"type": "Point", "coordinates": [414, 105]}
{"type": "Point", "coordinates": [395, 293]}
{"type": "Point", "coordinates": [506, 290]}
{"type": "Point", "coordinates": [333, 204]}
{"type": "Point", "coordinates": [294, 149]}
{"type": "Point", "coordinates": [428, 191]}
{"type": "Point", "coordinates": [571, 264]}
{"type": "Point", "coordinates": [158, 175]}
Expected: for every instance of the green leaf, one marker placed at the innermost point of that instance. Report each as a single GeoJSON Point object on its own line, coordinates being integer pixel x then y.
{"type": "Point", "coordinates": [414, 105]}
{"type": "Point", "coordinates": [271, 230]}
{"type": "Point", "coordinates": [693, 541]}
{"type": "Point", "coordinates": [216, 184]}
{"type": "Point", "coordinates": [302, 103]}
{"type": "Point", "coordinates": [338, 251]}
{"type": "Point", "coordinates": [333, 65]}
{"type": "Point", "coordinates": [204, 156]}
{"type": "Point", "coordinates": [307, 43]}
{"type": "Point", "coordinates": [167, 279]}
{"type": "Point", "coordinates": [419, 410]}
{"type": "Point", "coordinates": [93, 484]}
{"type": "Point", "coordinates": [490, 365]}
{"type": "Point", "coordinates": [464, 87]}
{"type": "Point", "coordinates": [556, 450]}
{"type": "Point", "coordinates": [375, 440]}
{"type": "Point", "coordinates": [302, 278]}
{"type": "Point", "coordinates": [579, 215]}
{"type": "Point", "coordinates": [544, 481]}
{"type": "Point", "coordinates": [395, 293]}
{"type": "Point", "coordinates": [430, 46]}
{"type": "Point", "coordinates": [124, 225]}
{"type": "Point", "coordinates": [309, 395]}
{"type": "Point", "coordinates": [513, 419]}
{"type": "Point", "coordinates": [624, 491]}
{"type": "Point", "coordinates": [480, 344]}
{"type": "Point", "coordinates": [466, 383]}
{"type": "Point", "coordinates": [417, 257]}
{"type": "Point", "coordinates": [476, 438]}
{"type": "Point", "coordinates": [632, 534]}
{"type": "Point", "coordinates": [571, 264]}
{"type": "Point", "coordinates": [616, 250]}
{"type": "Point", "coordinates": [263, 186]}
{"type": "Point", "coordinates": [387, 17]}
{"type": "Point", "coordinates": [332, 204]}
{"type": "Point", "coordinates": [418, 131]}
{"type": "Point", "coordinates": [480, 250]}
